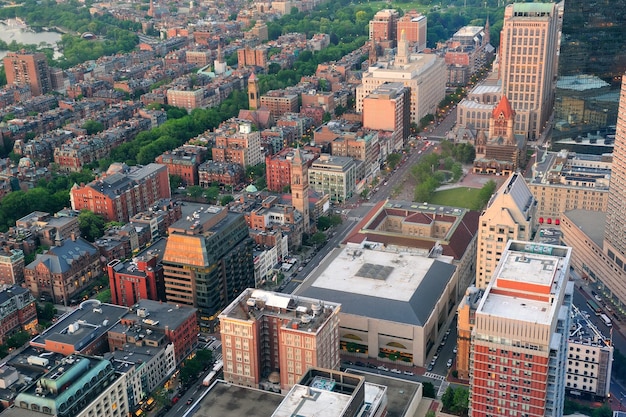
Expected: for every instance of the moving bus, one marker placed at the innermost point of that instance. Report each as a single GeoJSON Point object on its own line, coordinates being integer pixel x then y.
{"type": "Point", "coordinates": [606, 320]}
{"type": "Point", "coordinates": [594, 307]}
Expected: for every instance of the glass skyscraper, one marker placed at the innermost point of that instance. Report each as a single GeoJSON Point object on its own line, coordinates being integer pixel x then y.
{"type": "Point", "coordinates": [591, 63]}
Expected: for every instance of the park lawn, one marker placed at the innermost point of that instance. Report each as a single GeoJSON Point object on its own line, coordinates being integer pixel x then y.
{"type": "Point", "coordinates": [457, 197]}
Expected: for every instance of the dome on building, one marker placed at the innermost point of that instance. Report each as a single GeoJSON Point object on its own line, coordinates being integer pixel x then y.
{"type": "Point", "coordinates": [251, 189]}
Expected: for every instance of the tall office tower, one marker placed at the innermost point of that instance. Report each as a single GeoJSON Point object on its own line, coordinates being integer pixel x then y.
{"type": "Point", "coordinates": [300, 188]}
{"type": "Point", "coordinates": [592, 60]}
{"type": "Point", "coordinates": [510, 214]}
{"type": "Point", "coordinates": [28, 68]}
{"type": "Point", "coordinates": [519, 340]}
{"type": "Point", "coordinates": [615, 230]}
{"type": "Point", "coordinates": [529, 44]}
{"type": "Point", "coordinates": [269, 340]}
{"type": "Point", "coordinates": [207, 261]}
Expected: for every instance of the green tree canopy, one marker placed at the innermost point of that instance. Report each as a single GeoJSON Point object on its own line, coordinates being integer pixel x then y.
{"type": "Point", "coordinates": [91, 225]}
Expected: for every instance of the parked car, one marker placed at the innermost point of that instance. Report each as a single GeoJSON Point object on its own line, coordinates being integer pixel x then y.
{"type": "Point", "coordinates": [408, 373]}
{"type": "Point", "coordinates": [597, 297]}
{"type": "Point", "coordinates": [371, 366]}
{"type": "Point", "coordinates": [433, 362]}
{"type": "Point", "coordinates": [448, 332]}
{"type": "Point", "coordinates": [449, 363]}
{"type": "Point", "coordinates": [383, 368]}
{"type": "Point", "coordinates": [359, 363]}
{"type": "Point", "coordinates": [436, 356]}
{"type": "Point", "coordinates": [396, 371]}
{"type": "Point", "coordinates": [430, 367]}
{"type": "Point", "coordinates": [455, 350]}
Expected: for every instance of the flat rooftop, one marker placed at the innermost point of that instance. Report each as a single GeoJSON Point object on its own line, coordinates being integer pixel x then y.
{"type": "Point", "coordinates": [390, 275]}
{"type": "Point", "coordinates": [522, 309]}
{"type": "Point", "coordinates": [305, 401]}
{"type": "Point", "coordinates": [526, 278]}
{"type": "Point", "coordinates": [592, 223]}
{"type": "Point", "coordinates": [306, 313]}
{"type": "Point", "coordinates": [82, 326]}
{"type": "Point", "coordinates": [226, 400]}
{"type": "Point", "coordinates": [400, 392]}
{"type": "Point", "coordinates": [399, 286]}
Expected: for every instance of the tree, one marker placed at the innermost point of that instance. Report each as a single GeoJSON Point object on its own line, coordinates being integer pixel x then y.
{"type": "Point", "coordinates": [323, 223]}
{"type": "Point", "coordinates": [447, 399]}
{"type": "Point", "coordinates": [175, 181]}
{"type": "Point", "coordinates": [92, 127]}
{"type": "Point", "coordinates": [46, 311]}
{"type": "Point", "coordinates": [604, 411]}
{"type": "Point", "coordinates": [195, 191]}
{"type": "Point", "coordinates": [461, 400]}
{"type": "Point", "coordinates": [429, 389]}
{"type": "Point", "coordinates": [318, 238]}
{"type": "Point", "coordinates": [91, 225]}
{"type": "Point", "coordinates": [19, 339]}
{"type": "Point", "coordinates": [211, 194]}
{"type": "Point", "coordinates": [393, 159]}
{"type": "Point", "coordinates": [104, 296]}
{"type": "Point", "coordinates": [226, 199]}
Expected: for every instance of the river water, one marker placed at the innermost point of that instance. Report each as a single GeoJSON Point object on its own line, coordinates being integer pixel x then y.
{"type": "Point", "coordinates": [15, 31]}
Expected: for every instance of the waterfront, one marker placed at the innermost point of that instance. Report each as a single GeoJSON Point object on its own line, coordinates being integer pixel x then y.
{"type": "Point", "coordinates": [13, 30]}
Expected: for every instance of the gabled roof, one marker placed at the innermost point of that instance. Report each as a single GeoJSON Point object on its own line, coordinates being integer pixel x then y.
{"type": "Point", "coordinates": [504, 107]}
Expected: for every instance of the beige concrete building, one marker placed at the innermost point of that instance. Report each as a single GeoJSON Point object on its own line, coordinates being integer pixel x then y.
{"type": "Point", "coordinates": [269, 340]}
{"type": "Point", "coordinates": [599, 241]}
{"type": "Point", "coordinates": [510, 214]}
{"type": "Point", "coordinates": [423, 74]}
{"type": "Point", "coordinates": [519, 340]}
{"type": "Point", "coordinates": [399, 279]}
{"type": "Point", "coordinates": [563, 181]}
{"type": "Point", "coordinates": [529, 43]}
{"type": "Point", "coordinates": [395, 302]}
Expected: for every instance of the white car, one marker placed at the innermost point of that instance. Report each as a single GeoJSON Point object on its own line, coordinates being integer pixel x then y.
{"type": "Point", "coordinates": [408, 373]}
{"type": "Point", "coordinates": [455, 350]}
{"type": "Point", "coordinates": [449, 363]}
{"type": "Point", "coordinates": [396, 371]}
{"type": "Point", "coordinates": [597, 297]}
{"type": "Point", "coordinates": [383, 368]}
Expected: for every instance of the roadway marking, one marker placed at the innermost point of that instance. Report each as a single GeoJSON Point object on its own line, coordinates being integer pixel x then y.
{"type": "Point", "coordinates": [442, 388]}
{"type": "Point", "coordinates": [434, 376]}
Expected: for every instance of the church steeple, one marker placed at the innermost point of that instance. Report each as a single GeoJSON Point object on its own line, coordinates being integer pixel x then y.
{"type": "Point", "coordinates": [254, 101]}
{"type": "Point", "coordinates": [300, 187]}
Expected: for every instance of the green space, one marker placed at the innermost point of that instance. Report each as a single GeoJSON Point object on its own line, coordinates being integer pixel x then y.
{"type": "Point", "coordinates": [469, 198]}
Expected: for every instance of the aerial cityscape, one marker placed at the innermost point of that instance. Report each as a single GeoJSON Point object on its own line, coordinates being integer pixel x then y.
{"type": "Point", "coordinates": [311, 208]}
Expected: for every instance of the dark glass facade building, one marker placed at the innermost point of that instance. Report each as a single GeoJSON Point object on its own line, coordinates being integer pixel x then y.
{"type": "Point", "coordinates": [591, 63]}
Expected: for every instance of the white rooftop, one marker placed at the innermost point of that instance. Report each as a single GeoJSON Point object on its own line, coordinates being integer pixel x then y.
{"type": "Point", "coordinates": [384, 274]}
{"type": "Point", "coordinates": [522, 309]}
{"type": "Point", "coordinates": [306, 401]}
{"type": "Point", "coordinates": [530, 268]}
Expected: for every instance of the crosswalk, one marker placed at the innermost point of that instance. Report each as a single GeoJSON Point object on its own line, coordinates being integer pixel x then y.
{"type": "Point", "coordinates": [442, 388]}
{"type": "Point", "coordinates": [434, 376]}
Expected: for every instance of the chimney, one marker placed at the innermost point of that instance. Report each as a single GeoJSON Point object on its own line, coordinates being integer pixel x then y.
{"type": "Point", "coordinates": [73, 236]}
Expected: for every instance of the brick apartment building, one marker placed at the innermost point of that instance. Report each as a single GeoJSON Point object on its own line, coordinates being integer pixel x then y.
{"type": "Point", "coordinates": [184, 162]}
{"type": "Point", "coordinates": [271, 339]}
{"type": "Point", "coordinates": [123, 192]}
{"type": "Point", "coordinates": [28, 68]}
